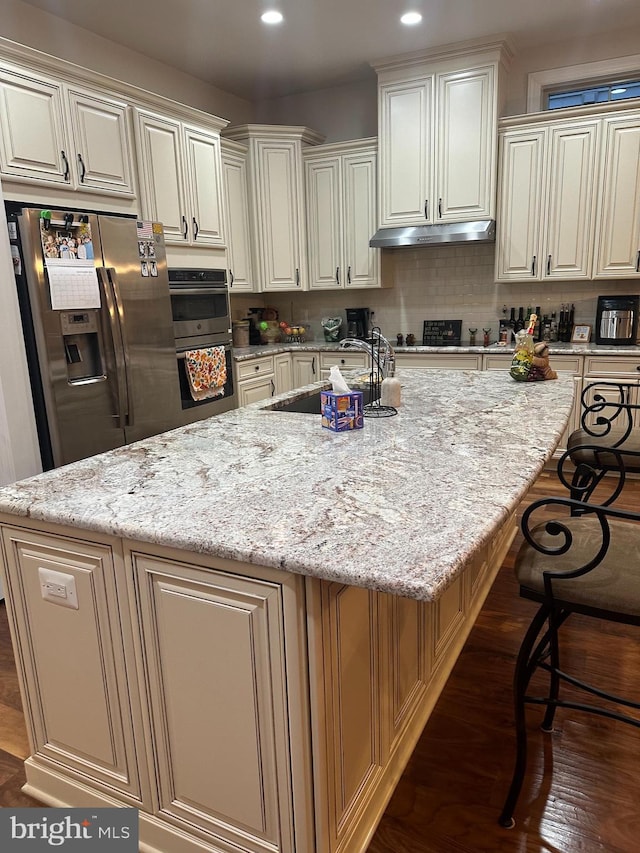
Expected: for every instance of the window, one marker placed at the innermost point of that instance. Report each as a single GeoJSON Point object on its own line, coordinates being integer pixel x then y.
{"type": "Point", "coordinates": [596, 94]}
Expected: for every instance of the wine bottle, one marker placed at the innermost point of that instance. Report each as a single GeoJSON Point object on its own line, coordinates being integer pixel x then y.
{"type": "Point", "coordinates": [520, 321]}
{"type": "Point", "coordinates": [570, 323]}
{"type": "Point", "coordinates": [562, 322]}
{"type": "Point", "coordinates": [537, 334]}
{"type": "Point", "coordinates": [553, 330]}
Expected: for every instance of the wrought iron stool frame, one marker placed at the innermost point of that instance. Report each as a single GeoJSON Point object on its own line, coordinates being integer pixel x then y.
{"type": "Point", "coordinates": [540, 647]}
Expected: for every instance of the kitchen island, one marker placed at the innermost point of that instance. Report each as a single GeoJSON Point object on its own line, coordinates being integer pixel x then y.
{"type": "Point", "coordinates": [266, 611]}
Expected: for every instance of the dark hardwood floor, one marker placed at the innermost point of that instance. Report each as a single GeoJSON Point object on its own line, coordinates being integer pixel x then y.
{"type": "Point", "coordinates": [580, 794]}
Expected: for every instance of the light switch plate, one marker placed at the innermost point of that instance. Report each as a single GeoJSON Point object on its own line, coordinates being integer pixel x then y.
{"type": "Point", "coordinates": [58, 587]}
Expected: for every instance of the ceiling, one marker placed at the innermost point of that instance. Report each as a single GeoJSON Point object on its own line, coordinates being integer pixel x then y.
{"type": "Point", "coordinates": [322, 43]}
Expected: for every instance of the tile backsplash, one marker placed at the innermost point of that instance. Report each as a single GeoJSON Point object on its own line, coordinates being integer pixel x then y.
{"type": "Point", "coordinates": [437, 283]}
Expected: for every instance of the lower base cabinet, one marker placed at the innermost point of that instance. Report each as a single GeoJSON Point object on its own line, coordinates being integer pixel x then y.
{"type": "Point", "coordinates": [239, 708]}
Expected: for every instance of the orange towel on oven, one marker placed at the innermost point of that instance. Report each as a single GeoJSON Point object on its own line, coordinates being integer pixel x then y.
{"type": "Point", "coordinates": [206, 372]}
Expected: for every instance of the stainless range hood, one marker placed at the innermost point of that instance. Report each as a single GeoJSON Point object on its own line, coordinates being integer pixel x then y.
{"type": "Point", "coordinates": [449, 233]}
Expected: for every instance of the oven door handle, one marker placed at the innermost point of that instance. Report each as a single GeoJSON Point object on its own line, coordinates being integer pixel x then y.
{"type": "Point", "coordinates": [197, 291]}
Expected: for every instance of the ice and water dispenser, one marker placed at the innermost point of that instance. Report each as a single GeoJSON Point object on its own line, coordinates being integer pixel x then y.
{"type": "Point", "coordinates": [81, 345]}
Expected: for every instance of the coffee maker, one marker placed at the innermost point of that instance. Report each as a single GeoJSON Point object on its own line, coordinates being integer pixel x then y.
{"type": "Point", "coordinates": [358, 323]}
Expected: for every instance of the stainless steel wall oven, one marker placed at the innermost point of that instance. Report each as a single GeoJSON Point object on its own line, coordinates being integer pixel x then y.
{"type": "Point", "coordinates": [201, 319]}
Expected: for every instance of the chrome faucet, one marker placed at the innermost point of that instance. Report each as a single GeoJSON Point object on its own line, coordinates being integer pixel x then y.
{"type": "Point", "coordinates": [380, 351]}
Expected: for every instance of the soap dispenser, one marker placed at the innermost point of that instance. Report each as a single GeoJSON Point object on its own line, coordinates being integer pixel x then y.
{"type": "Point", "coordinates": [390, 389]}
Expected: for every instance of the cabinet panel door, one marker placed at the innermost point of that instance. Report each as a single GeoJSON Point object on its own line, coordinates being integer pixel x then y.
{"type": "Point", "coordinates": [465, 155]}
{"type": "Point", "coordinates": [161, 178]}
{"type": "Point", "coordinates": [283, 373]}
{"type": "Point", "coordinates": [305, 368]}
{"type": "Point", "coordinates": [254, 390]}
{"type": "Point", "coordinates": [234, 182]}
{"type": "Point", "coordinates": [571, 164]}
{"type": "Point", "coordinates": [520, 205]}
{"type": "Point", "coordinates": [34, 141]}
{"type": "Point", "coordinates": [324, 223]}
{"type": "Point", "coordinates": [280, 195]}
{"type": "Point", "coordinates": [406, 153]}
{"type": "Point", "coordinates": [74, 652]}
{"type": "Point", "coordinates": [618, 227]}
{"type": "Point", "coordinates": [204, 183]}
{"type": "Point", "coordinates": [361, 263]}
{"type": "Point", "coordinates": [212, 647]}
{"type": "Point", "coordinates": [102, 143]}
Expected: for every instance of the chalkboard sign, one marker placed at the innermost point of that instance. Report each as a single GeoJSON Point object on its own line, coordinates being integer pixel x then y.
{"type": "Point", "coordinates": [441, 333]}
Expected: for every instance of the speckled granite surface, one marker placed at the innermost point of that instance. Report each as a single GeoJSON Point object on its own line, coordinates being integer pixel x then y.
{"type": "Point", "coordinates": [242, 353]}
{"type": "Point", "coordinates": [400, 506]}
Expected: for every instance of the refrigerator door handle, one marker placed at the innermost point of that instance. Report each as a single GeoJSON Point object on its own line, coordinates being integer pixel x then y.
{"type": "Point", "coordinates": [120, 313]}
{"type": "Point", "coordinates": [117, 345]}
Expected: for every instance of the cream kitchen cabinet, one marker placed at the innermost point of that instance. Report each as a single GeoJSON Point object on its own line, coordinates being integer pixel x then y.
{"type": "Point", "coordinates": [63, 134]}
{"type": "Point", "coordinates": [238, 224]}
{"type": "Point", "coordinates": [437, 124]}
{"type": "Point", "coordinates": [276, 196]}
{"type": "Point", "coordinates": [283, 370]}
{"type": "Point", "coordinates": [255, 379]}
{"type": "Point", "coordinates": [181, 178]}
{"type": "Point", "coordinates": [618, 210]}
{"type": "Point", "coordinates": [341, 203]}
{"type": "Point", "coordinates": [346, 361]}
{"type": "Point", "coordinates": [439, 361]}
{"type": "Point", "coordinates": [623, 369]}
{"type": "Point", "coordinates": [546, 201]}
{"type": "Point", "coordinates": [306, 368]}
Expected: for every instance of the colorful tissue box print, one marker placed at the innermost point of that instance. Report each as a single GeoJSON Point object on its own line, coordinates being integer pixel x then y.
{"type": "Point", "coordinates": [341, 412]}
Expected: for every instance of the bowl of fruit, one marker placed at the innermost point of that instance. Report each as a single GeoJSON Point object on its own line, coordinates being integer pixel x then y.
{"type": "Point", "coordinates": [293, 332]}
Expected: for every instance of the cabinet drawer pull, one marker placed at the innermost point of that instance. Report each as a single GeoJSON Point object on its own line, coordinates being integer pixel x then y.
{"type": "Point", "coordinates": [66, 166]}
{"type": "Point", "coordinates": [349, 274]}
{"type": "Point", "coordinates": [439, 208]}
{"type": "Point", "coordinates": [297, 277]}
{"type": "Point", "coordinates": [83, 170]}
{"type": "Point", "coordinates": [257, 367]}
{"type": "Point", "coordinates": [185, 227]}
{"type": "Point", "coordinates": [337, 275]}
{"type": "Point", "coordinates": [273, 388]}
{"type": "Point", "coordinates": [426, 208]}
{"type": "Point", "coordinates": [548, 264]}
{"type": "Point", "coordinates": [230, 278]}
{"type": "Point", "coordinates": [196, 230]}
{"type": "Point", "coordinates": [313, 365]}
{"type": "Point", "coordinates": [533, 265]}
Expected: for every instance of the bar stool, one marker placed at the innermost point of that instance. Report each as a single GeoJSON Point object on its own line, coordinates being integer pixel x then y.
{"type": "Point", "coordinates": [586, 560]}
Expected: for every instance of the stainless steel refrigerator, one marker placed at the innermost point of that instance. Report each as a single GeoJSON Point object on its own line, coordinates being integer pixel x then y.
{"type": "Point", "coordinates": [96, 310]}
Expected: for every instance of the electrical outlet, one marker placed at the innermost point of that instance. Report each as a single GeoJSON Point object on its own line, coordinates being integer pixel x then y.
{"type": "Point", "coordinates": [58, 587]}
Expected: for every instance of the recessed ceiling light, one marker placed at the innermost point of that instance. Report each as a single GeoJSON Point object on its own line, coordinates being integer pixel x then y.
{"type": "Point", "coordinates": [271, 17]}
{"type": "Point", "coordinates": [411, 18]}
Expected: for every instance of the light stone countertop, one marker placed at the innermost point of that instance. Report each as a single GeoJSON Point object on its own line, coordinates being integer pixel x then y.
{"type": "Point", "coordinates": [400, 506]}
{"type": "Point", "coordinates": [243, 353]}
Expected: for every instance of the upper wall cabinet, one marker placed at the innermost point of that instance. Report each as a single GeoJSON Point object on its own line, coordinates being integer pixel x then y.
{"type": "Point", "coordinates": [618, 209]}
{"type": "Point", "coordinates": [569, 195]}
{"type": "Point", "coordinates": [341, 199]}
{"type": "Point", "coordinates": [546, 202]}
{"type": "Point", "coordinates": [437, 127]}
{"type": "Point", "coordinates": [181, 179]}
{"type": "Point", "coordinates": [60, 134]}
{"type": "Point", "coordinates": [276, 195]}
{"type": "Point", "coordinates": [236, 208]}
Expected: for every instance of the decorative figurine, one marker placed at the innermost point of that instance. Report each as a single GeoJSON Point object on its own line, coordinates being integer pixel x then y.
{"type": "Point", "coordinates": [399, 340]}
{"type": "Point", "coordinates": [411, 340]}
{"type": "Point", "coordinates": [331, 327]}
{"type": "Point", "coordinates": [472, 337]}
{"type": "Point", "coordinates": [487, 337]}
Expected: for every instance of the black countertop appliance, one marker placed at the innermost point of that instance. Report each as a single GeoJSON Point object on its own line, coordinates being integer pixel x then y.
{"type": "Point", "coordinates": [617, 320]}
{"type": "Point", "coordinates": [358, 322]}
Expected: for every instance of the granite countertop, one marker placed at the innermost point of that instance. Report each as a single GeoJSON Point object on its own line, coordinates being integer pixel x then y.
{"type": "Point", "coordinates": [401, 505]}
{"type": "Point", "coordinates": [242, 353]}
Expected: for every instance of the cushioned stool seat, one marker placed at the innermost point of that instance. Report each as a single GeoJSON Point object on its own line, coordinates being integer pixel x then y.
{"type": "Point", "coordinates": [582, 449]}
{"type": "Point", "coordinates": [610, 586]}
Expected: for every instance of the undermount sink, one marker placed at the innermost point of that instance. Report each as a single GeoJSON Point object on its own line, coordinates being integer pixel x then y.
{"type": "Point", "coordinates": [310, 405]}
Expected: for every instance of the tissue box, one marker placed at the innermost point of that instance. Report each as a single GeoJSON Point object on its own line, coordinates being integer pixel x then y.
{"type": "Point", "coordinates": [341, 412]}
